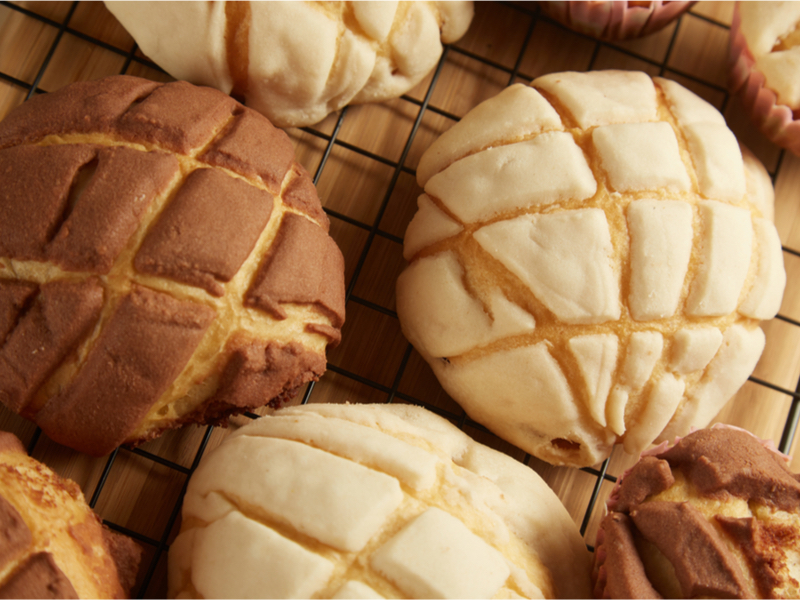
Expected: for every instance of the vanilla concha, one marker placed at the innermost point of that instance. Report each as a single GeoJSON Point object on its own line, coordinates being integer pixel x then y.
{"type": "Point", "coordinates": [296, 62]}
{"type": "Point", "coordinates": [589, 263]}
{"type": "Point", "coordinates": [370, 501]}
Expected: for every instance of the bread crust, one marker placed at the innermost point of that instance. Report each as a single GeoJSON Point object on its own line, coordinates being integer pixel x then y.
{"type": "Point", "coordinates": [296, 62]}
{"type": "Point", "coordinates": [714, 514]}
{"type": "Point", "coordinates": [589, 263]}
{"type": "Point", "coordinates": [54, 545]}
{"type": "Point", "coordinates": [174, 229]}
{"type": "Point", "coordinates": [404, 489]}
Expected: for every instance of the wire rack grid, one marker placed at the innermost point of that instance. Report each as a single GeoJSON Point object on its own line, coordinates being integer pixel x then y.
{"type": "Point", "coordinates": [363, 160]}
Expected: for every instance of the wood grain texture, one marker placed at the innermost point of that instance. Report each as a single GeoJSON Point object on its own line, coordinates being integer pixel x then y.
{"type": "Point", "coordinates": [366, 181]}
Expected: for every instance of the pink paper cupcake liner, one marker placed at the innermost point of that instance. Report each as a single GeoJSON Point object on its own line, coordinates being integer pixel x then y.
{"type": "Point", "coordinates": [776, 121]}
{"type": "Point", "coordinates": [614, 19]}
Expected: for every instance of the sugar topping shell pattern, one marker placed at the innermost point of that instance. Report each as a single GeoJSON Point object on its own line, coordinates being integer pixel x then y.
{"type": "Point", "coordinates": [296, 62]}
{"type": "Point", "coordinates": [589, 263]}
{"type": "Point", "coordinates": [370, 501]}
{"type": "Point", "coordinates": [164, 260]}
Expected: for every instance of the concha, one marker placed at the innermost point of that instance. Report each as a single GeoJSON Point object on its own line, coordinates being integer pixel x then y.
{"type": "Point", "coordinates": [370, 501]}
{"type": "Point", "coordinates": [164, 260]}
{"type": "Point", "coordinates": [54, 545]}
{"type": "Point", "coordinates": [589, 263]}
{"type": "Point", "coordinates": [296, 62]}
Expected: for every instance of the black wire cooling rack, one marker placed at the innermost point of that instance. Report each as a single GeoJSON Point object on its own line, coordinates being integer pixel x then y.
{"type": "Point", "coordinates": [59, 34]}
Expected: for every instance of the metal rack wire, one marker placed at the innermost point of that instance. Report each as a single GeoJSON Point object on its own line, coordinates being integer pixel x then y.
{"type": "Point", "coordinates": [374, 232]}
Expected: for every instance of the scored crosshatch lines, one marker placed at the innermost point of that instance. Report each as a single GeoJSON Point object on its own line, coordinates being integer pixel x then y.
{"type": "Point", "coordinates": [363, 161]}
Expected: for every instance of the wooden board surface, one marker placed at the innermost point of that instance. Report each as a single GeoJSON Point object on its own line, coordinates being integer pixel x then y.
{"type": "Point", "coordinates": [364, 160]}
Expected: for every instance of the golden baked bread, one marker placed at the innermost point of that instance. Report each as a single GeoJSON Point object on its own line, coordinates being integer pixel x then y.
{"type": "Point", "coordinates": [53, 544]}
{"type": "Point", "coordinates": [370, 501]}
{"type": "Point", "coordinates": [589, 263]}
{"type": "Point", "coordinates": [296, 62]}
{"type": "Point", "coordinates": [716, 515]}
{"type": "Point", "coordinates": [163, 260]}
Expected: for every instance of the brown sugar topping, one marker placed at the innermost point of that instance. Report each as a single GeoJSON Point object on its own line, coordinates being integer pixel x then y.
{"type": "Point", "coordinates": [57, 321]}
{"type": "Point", "coordinates": [176, 118]}
{"type": "Point", "coordinates": [704, 566]}
{"type": "Point", "coordinates": [707, 554]}
{"type": "Point", "coordinates": [32, 207]}
{"type": "Point", "coordinates": [251, 147]}
{"type": "Point", "coordinates": [175, 192]}
{"type": "Point", "coordinates": [143, 347]}
{"type": "Point", "coordinates": [647, 477]}
{"type": "Point", "coordinates": [763, 548]}
{"type": "Point", "coordinates": [201, 241]}
{"type": "Point", "coordinates": [734, 462]}
{"type": "Point", "coordinates": [14, 295]}
{"type": "Point", "coordinates": [301, 194]}
{"type": "Point", "coordinates": [259, 370]}
{"type": "Point", "coordinates": [295, 272]}
{"type": "Point", "coordinates": [15, 536]}
{"type": "Point", "coordinates": [625, 576]}
{"type": "Point", "coordinates": [38, 577]}
{"type": "Point", "coordinates": [87, 106]}
{"type": "Point", "coordinates": [109, 209]}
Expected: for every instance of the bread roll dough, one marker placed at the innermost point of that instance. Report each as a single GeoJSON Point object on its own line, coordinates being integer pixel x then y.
{"type": "Point", "coordinates": [370, 501]}
{"type": "Point", "coordinates": [54, 545]}
{"type": "Point", "coordinates": [713, 514]}
{"type": "Point", "coordinates": [616, 211]}
{"type": "Point", "coordinates": [295, 62]}
{"type": "Point", "coordinates": [163, 260]}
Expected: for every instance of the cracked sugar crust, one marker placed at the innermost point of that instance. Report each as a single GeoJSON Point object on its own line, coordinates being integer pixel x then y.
{"type": "Point", "coordinates": [610, 261]}
{"type": "Point", "coordinates": [53, 544]}
{"type": "Point", "coordinates": [414, 508]}
{"type": "Point", "coordinates": [296, 62]}
{"type": "Point", "coordinates": [714, 515]}
{"type": "Point", "coordinates": [163, 206]}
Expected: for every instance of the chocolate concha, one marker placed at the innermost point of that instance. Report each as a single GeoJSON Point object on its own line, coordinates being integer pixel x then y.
{"type": "Point", "coordinates": [163, 260]}
{"type": "Point", "coordinates": [589, 263]}
{"type": "Point", "coordinates": [714, 515]}
{"type": "Point", "coordinates": [370, 501]}
{"type": "Point", "coordinates": [296, 62]}
{"type": "Point", "coordinates": [53, 544]}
